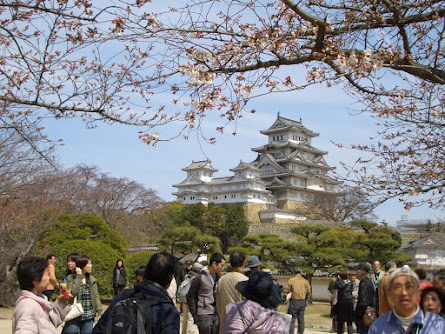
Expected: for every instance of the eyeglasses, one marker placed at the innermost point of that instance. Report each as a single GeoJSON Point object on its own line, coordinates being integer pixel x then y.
{"type": "Point", "coordinates": [409, 288]}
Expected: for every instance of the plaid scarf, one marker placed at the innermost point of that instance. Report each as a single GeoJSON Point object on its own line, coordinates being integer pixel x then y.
{"type": "Point", "coordinates": [87, 304]}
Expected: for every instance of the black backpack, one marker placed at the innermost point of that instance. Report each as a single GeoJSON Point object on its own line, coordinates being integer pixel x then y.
{"type": "Point", "coordinates": [132, 315]}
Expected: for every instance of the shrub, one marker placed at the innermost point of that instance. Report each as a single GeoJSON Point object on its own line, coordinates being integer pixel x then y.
{"type": "Point", "coordinates": [134, 261]}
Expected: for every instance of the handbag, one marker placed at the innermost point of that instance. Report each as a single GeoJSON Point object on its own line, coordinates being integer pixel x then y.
{"type": "Point", "coordinates": [76, 310]}
{"type": "Point", "coordinates": [369, 316]}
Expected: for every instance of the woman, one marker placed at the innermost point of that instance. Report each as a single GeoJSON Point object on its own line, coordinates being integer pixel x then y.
{"type": "Point", "coordinates": [71, 264]}
{"type": "Point", "coordinates": [83, 285]}
{"type": "Point", "coordinates": [255, 314]}
{"type": "Point", "coordinates": [433, 300]}
{"type": "Point", "coordinates": [33, 312]}
{"type": "Point", "coordinates": [344, 306]}
{"type": "Point", "coordinates": [119, 277]}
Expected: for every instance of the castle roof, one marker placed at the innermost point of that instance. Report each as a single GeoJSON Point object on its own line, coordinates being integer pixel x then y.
{"type": "Point", "coordinates": [200, 165]}
{"type": "Point", "coordinates": [282, 124]}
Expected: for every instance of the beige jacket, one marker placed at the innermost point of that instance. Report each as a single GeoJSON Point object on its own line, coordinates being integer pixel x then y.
{"type": "Point", "coordinates": [226, 293]}
{"type": "Point", "coordinates": [298, 286]}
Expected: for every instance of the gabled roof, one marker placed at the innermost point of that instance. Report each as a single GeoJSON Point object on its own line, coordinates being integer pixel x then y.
{"type": "Point", "coordinates": [268, 158]}
{"type": "Point", "coordinates": [191, 179]}
{"type": "Point", "coordinates": [300, 146]}
{"type": "Point", "coordinates": [245, 165]}
{"type": "Point", "coordinates": [200, 165]}
{"type": "Point", "coordinates": [276, 182]}
{"type": "Point", "coordinates": [432, 241]}
{"type": "Point", "coordinates": [283, 124]}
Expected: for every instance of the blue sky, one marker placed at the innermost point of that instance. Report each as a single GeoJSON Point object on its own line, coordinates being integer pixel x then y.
{"type": "Point", "coordinates": [116, 149]}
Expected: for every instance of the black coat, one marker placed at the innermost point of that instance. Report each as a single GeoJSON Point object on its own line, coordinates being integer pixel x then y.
{"type": "Point", "coordinates": [366, 297]}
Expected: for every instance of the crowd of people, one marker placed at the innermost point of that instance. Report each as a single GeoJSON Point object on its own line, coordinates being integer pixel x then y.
{"type": "Point", "coordinates": [397, 300]}
{"type": "Point", "coordinates": [244, 300]}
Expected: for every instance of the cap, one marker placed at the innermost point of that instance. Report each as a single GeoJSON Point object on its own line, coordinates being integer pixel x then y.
{"type": "Point", "coordinates": [404, 271]}
{"type": "Point", "coordinates": [197, 267]}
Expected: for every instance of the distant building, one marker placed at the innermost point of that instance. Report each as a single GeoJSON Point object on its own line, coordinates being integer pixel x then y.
{"type": "Point", "coordinates": [427, 252]}
{"type": "Point", "coordinates": [287, 176]}
{"type": "Point", "coordinates": [406, 225]}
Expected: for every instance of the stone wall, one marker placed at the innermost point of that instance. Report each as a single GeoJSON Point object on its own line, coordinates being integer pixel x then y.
{"type": "Point", "coordinates": [251, 212]}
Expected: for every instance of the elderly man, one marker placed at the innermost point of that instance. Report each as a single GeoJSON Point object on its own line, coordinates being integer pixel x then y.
{"type": "Point", "coordinates": [406, 315]}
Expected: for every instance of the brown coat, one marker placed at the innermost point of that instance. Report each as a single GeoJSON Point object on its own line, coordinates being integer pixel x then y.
{"type": "Point", "coordinates": [299, 287]}
{"type": "Point", "coordinates": [385, 303]}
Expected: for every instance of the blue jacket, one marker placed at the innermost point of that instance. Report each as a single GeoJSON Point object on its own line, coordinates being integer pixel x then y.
{"type": "Point", "coordinates": [426, 323]}
{"type": "Point", "coordinates": [165, 315]}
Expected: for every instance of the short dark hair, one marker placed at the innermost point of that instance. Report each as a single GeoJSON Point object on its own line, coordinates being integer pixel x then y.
{"type": "Point", "coordinates": [73, 257]}
{"type": "Point", "coordinates": [121, 261]}
{"type": "Point", "coordinates": [389, 265]}
{"type": "Point", "coordinates": [82, 261]}
{"type": "Point", "coordinates": [421, 273]}
{"type": "Point", "coordinates": [49, 257]}
{"type": "Point", "coordinates": [216, 257]}
{"type": "Point", "coordinates": [29, 270]}
{"type": "Point", "coordinates": [140, 271]}
{"type": "Point", "coordinates": [161, 268]}
{"type": "Point", "coordinates": [432, 289]}
{"type": "Point", "coordinates": [343, 274]}
{"type": "Point", "coordinates": [237, 259]}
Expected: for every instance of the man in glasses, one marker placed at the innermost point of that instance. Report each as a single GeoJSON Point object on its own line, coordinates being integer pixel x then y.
{"type": "Point", "coordinates": [406, 316]}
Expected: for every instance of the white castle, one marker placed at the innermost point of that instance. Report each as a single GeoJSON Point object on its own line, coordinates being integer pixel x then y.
{"type": "Point", "coordinates": [285, 178]}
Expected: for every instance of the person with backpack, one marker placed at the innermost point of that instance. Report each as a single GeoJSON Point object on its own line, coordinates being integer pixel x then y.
{"type": "Point", "coordinates": [147, 308]}
{"type": "Point", "coordinates": [201, 297]}
{"type": "Point", "coordinates": [188, 327]}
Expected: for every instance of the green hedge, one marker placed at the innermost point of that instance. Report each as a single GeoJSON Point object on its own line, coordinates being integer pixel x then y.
{"type": "Point", "coordinates": [103, 257]}
{"type": "Point", "coordinates": [134, 261]}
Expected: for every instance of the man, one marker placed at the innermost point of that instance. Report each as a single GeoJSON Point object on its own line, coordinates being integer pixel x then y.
{"type": "Point", "coordinates": [51, 259]}
{"type": "Point", "coordinates": [376, 276]}
{"type": "Point", "coordinates": [188, 327]}
{"type": "Point", "coordinates": [226, 293]}
{"type": "Point", "coordinates": [158, 274]}
{"type": "Point", "coordinates": [201, 298]}
{"type": "Point", "coordinates": [406, 316]}
{"type": "Point", "coordinates": [385, 303]}
{"type": "Point", "coordinates": [366, 296]}
{"type": "Point", "coordinates": [253, 264]}
{"type": "Point", "coordinates": [300, 289]}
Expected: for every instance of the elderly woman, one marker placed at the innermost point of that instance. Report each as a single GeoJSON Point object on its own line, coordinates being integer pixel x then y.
{"type": "Point", "coordinates": [255, 314]}
{"type": "Point", "coordinates": [433, 300]}
{"type": "Point", "coordinates": [33, 312]}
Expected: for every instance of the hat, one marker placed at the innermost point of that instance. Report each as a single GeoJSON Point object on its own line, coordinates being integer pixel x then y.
{"type": "Point", "coordinates": [404, 271]}
{"type": "Point", "coordinates": [253, 262]}
{"type": "Point", "coordinates": [188, 262]}
{"type": "Point", "coordinates": [364, 266]}
{"type": "Point", "coordinates": [260, 288]}
{"type": "Point", "coordinates": [197, 267]}
{"type": "Point", "coordinates": [266, 270]}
